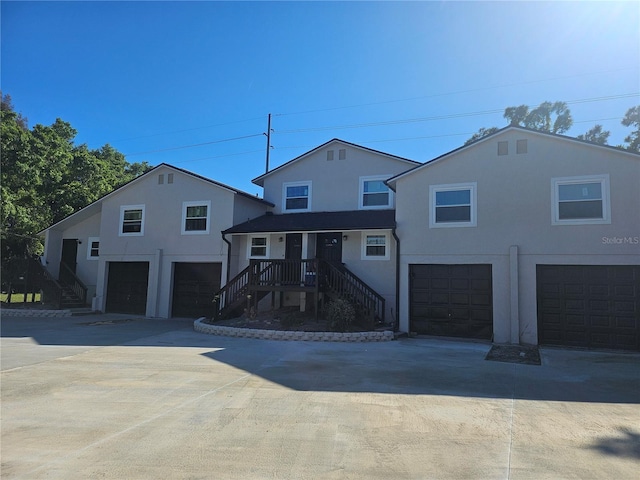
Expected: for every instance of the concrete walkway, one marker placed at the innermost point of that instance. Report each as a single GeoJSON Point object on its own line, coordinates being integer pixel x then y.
{"type": "Point", "coordinates": [112, 396]}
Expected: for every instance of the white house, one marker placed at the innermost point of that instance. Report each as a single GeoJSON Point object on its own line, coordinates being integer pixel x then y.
{"type": "Point", "coordinates": [522, 237]}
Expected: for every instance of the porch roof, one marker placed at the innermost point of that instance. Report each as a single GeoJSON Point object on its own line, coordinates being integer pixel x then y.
{"type": "Point", "coordinates": [318, 222]}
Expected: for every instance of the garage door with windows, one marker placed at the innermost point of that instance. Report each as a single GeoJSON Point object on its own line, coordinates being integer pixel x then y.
{"type": "Point", "coordinates": [194, 285]}
{"type": "Point", "coordinates": [127, 287]}
{"type": "Point", "coordinates": [589, 306]}
{"type": "Point", "coordinates": [451, 300]}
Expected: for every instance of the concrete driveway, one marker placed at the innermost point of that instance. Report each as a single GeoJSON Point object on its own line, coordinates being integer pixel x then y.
{"type": "Point", "coordinates": [122, 397]}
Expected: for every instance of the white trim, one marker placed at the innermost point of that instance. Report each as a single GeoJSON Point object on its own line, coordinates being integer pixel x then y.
{"type": "Point", "coordinates": [433, 189]}
{"type": "Point", "coordinates": [361, 192]}
{"type": "Point", "coordinates": [387, 245]}
{"type": "Point", "coordinates": [90, 241]}
{"type": "Point", "coordinates": [284, 196]}
{"type": "Point", "coordinates": [196, 203]}
{"type": "Point", "coordinates": [267, 246]}
{"type": "Point", "coordinates": [124, 208]}
{"type": "Point", "coordinates": [606, 200]}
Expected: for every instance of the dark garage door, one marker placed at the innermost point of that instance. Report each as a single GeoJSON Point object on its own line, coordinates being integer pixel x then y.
{"type": "Point", "coordinates": [590, 306]}
{"type": "Point", "coordinates": [127, 287]}
{"type": "Point", "coordinates": [194, 285]}
{"type": "Point", "coordinates": [451, 300]}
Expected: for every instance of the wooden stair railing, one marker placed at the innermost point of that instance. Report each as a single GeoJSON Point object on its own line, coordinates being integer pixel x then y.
{"type": "Point", "coordinates": [338, 280]}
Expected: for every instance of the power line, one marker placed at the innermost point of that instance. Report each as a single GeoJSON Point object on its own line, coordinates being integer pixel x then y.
{"type": "Point", "coordinates": [459, 92]}
{"type": "Point", "coordinates": [194, 145]}
{"type": "Point", "coordinates": [443, 117]}
{"type": "Point", "coordinates": [190, 129]}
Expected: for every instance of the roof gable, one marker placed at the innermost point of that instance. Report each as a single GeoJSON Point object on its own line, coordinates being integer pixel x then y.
{"type": "Point", "coordinates": [502, 131]}
{"type": "Point", "coordinates": [96, 206]}
{"type": "Point", "coordinates": [336, 141]}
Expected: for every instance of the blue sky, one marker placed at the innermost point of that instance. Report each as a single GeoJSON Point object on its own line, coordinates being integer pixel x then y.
{"type": "Point", "coordinates": [415, 79]}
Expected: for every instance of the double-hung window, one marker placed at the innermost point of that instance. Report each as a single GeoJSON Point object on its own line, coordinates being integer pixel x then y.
{"type": "Point", "coordinates": [375, 246]}
{"type": "Point", "coordinates": [131, 220]}
{"type": "Point", "coordinates": [452, 205]}
{"type": "Point", "coordinates": [258, 247]}
{"type": "Point", "coordinates": [196, 217]}
{"type": "Point", "coordinates": [374, 193]}
{"type": "Point", "coordinates": [297, 197]}
{"type": "Point", "coordinates": [580, 200]}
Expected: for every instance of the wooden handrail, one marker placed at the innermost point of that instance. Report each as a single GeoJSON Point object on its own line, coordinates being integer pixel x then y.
{"type": "Point", "coordinates": [344, 283]}
{"type": "Point", "coordinates": [69, 278]}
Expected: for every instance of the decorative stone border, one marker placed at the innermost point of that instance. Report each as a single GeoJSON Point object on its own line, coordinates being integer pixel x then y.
{"type": "Point", "coordinates": [30, 312]}
{"type": "Point", "coordinates": [202, 327]}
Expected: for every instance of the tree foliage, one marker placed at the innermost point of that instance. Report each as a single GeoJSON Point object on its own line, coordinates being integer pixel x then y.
{"type": "Point", "coordinates": [596, 135]}
{"type": "Point", "coordinates": [46, 177]}
{"type": "Point", "coordinates": [632, 119]}
{"type": "Point", "coordinates": [555, 117]}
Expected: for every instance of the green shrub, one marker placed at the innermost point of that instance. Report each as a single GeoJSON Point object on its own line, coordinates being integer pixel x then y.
{"type": "Point", "coordinates": [340, 315]}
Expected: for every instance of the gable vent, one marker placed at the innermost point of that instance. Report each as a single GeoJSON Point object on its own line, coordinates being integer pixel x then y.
{"type": "Point", "coordinates": [342, 154]}
{"type": "Point", "coordinates": [329, 155]}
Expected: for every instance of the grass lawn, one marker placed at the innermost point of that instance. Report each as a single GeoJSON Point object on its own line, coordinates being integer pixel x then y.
{"type": "Point", "coordinates": [20, 298]}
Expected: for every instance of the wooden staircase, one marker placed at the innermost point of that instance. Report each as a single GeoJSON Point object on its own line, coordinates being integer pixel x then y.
{"type": "Point", "coordinates": [313, 276]}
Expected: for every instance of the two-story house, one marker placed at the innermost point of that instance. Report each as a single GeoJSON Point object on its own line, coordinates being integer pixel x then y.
{"type": "Point", "coordinates": [522, 237]}
{"type": "Point", "coordinates": [151, 247]}
{"type": "Point", "coordinates": [519, 237]}
{"type": "Point", "coordinates": [331, 205]}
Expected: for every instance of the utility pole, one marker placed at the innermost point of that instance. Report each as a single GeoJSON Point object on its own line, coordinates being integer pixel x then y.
{"type": "Point", "coordinates": [268, 134]}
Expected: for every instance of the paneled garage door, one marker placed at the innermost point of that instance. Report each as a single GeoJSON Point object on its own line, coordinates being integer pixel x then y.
{"type": "Point", "coordinates": [127, 287]}
{"type": "Point", "coordinates": [589, 306]}
{"type": "Point", "coordinates": [451, 300]}
{"type": "Point", "coordinates": [194, 285]}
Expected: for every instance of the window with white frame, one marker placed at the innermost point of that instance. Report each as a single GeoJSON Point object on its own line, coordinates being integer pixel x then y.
{"type": "Point", "coordinates": [258, 247]}
{"type": "Point", "coordinates": [196, 217]}
{"type": "Point", "coordinates": [375, 246]}
{"type": "Point", "coordinates": [93, 248]}
{"type": "Point", "coordinates": [452, 205]}
{"type": "Point", "coordinates": [131, 220]}
{"type": "Point", "coordinates": [297, 197]}
{"type": "Point", "coordinates": [580, 200]}
{"type": "Point", "coordinates": [374, 193]}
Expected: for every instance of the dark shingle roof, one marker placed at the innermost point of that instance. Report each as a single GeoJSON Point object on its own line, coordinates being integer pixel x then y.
{"type": "Point", "coordinates": [318, 221]}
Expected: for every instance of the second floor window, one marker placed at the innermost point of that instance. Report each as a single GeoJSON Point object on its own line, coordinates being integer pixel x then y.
{"type": "Point", "coordinates": [195, 217]}
{"type": "Point", "coordinates": [453, 205]}
{"type": "Point", "coordinates": [297, 197]}
{"type": "Point", "coordinates": [374, 193]}
{"type": "Point", "coordinates": [132, 220]}
{"type": "Point", "coordinates": [581, 200]}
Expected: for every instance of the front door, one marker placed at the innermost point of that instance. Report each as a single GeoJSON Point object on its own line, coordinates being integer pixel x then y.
{"type": "Point", "coordinates": [294, 246]}
{"type": "Point", "coordinates": [329, 247]}
{"type": "Point", "coordinates": [70, 253]}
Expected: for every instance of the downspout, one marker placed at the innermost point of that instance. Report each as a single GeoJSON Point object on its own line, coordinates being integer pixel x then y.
{"type": "Point", "coordinates": [396, 327]}
{"type": "Point", "coordinates": [228, 256]}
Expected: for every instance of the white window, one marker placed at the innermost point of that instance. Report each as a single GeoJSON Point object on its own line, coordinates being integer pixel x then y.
{"type": "Point", "coordinates": [196, 217]}
{"type": "Point", "coordinates": [258, 247]}
{"type": "Point", "coordinates": [580, 200]}
{"type": "Point", "coordinates": [131, 220]}
{"type": "Point", "coordinates": [375, 246]}
{"type": "Point", "coordinates": [93, 248]}
{"type": "Point", "coordinates": [297, 197]}
{"type": "Point", "coordinates": [374, 193]}
{"type": "Point", "coordinates": [452, 205]}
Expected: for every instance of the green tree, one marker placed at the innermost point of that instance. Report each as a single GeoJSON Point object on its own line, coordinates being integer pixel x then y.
{"type": "Point", "coordinates": [632, 119]}
{"type": "Point", "coordinates": [552, 117]}
{"type": "Point", "coordinates": [596, 135]}
{"type": "Point", "coordinates": [46, 177]}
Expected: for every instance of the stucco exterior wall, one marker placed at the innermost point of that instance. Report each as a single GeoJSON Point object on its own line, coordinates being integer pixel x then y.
{"type": "Point", "coordinates": [335, 184]}
{"type": "Point", "coordinates": [514, 208]}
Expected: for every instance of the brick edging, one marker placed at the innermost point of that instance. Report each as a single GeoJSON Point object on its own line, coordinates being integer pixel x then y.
{"type": "Point", "coordinates": [31, 312]}
{"type": "Point", "coordinates": [200, 326]}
